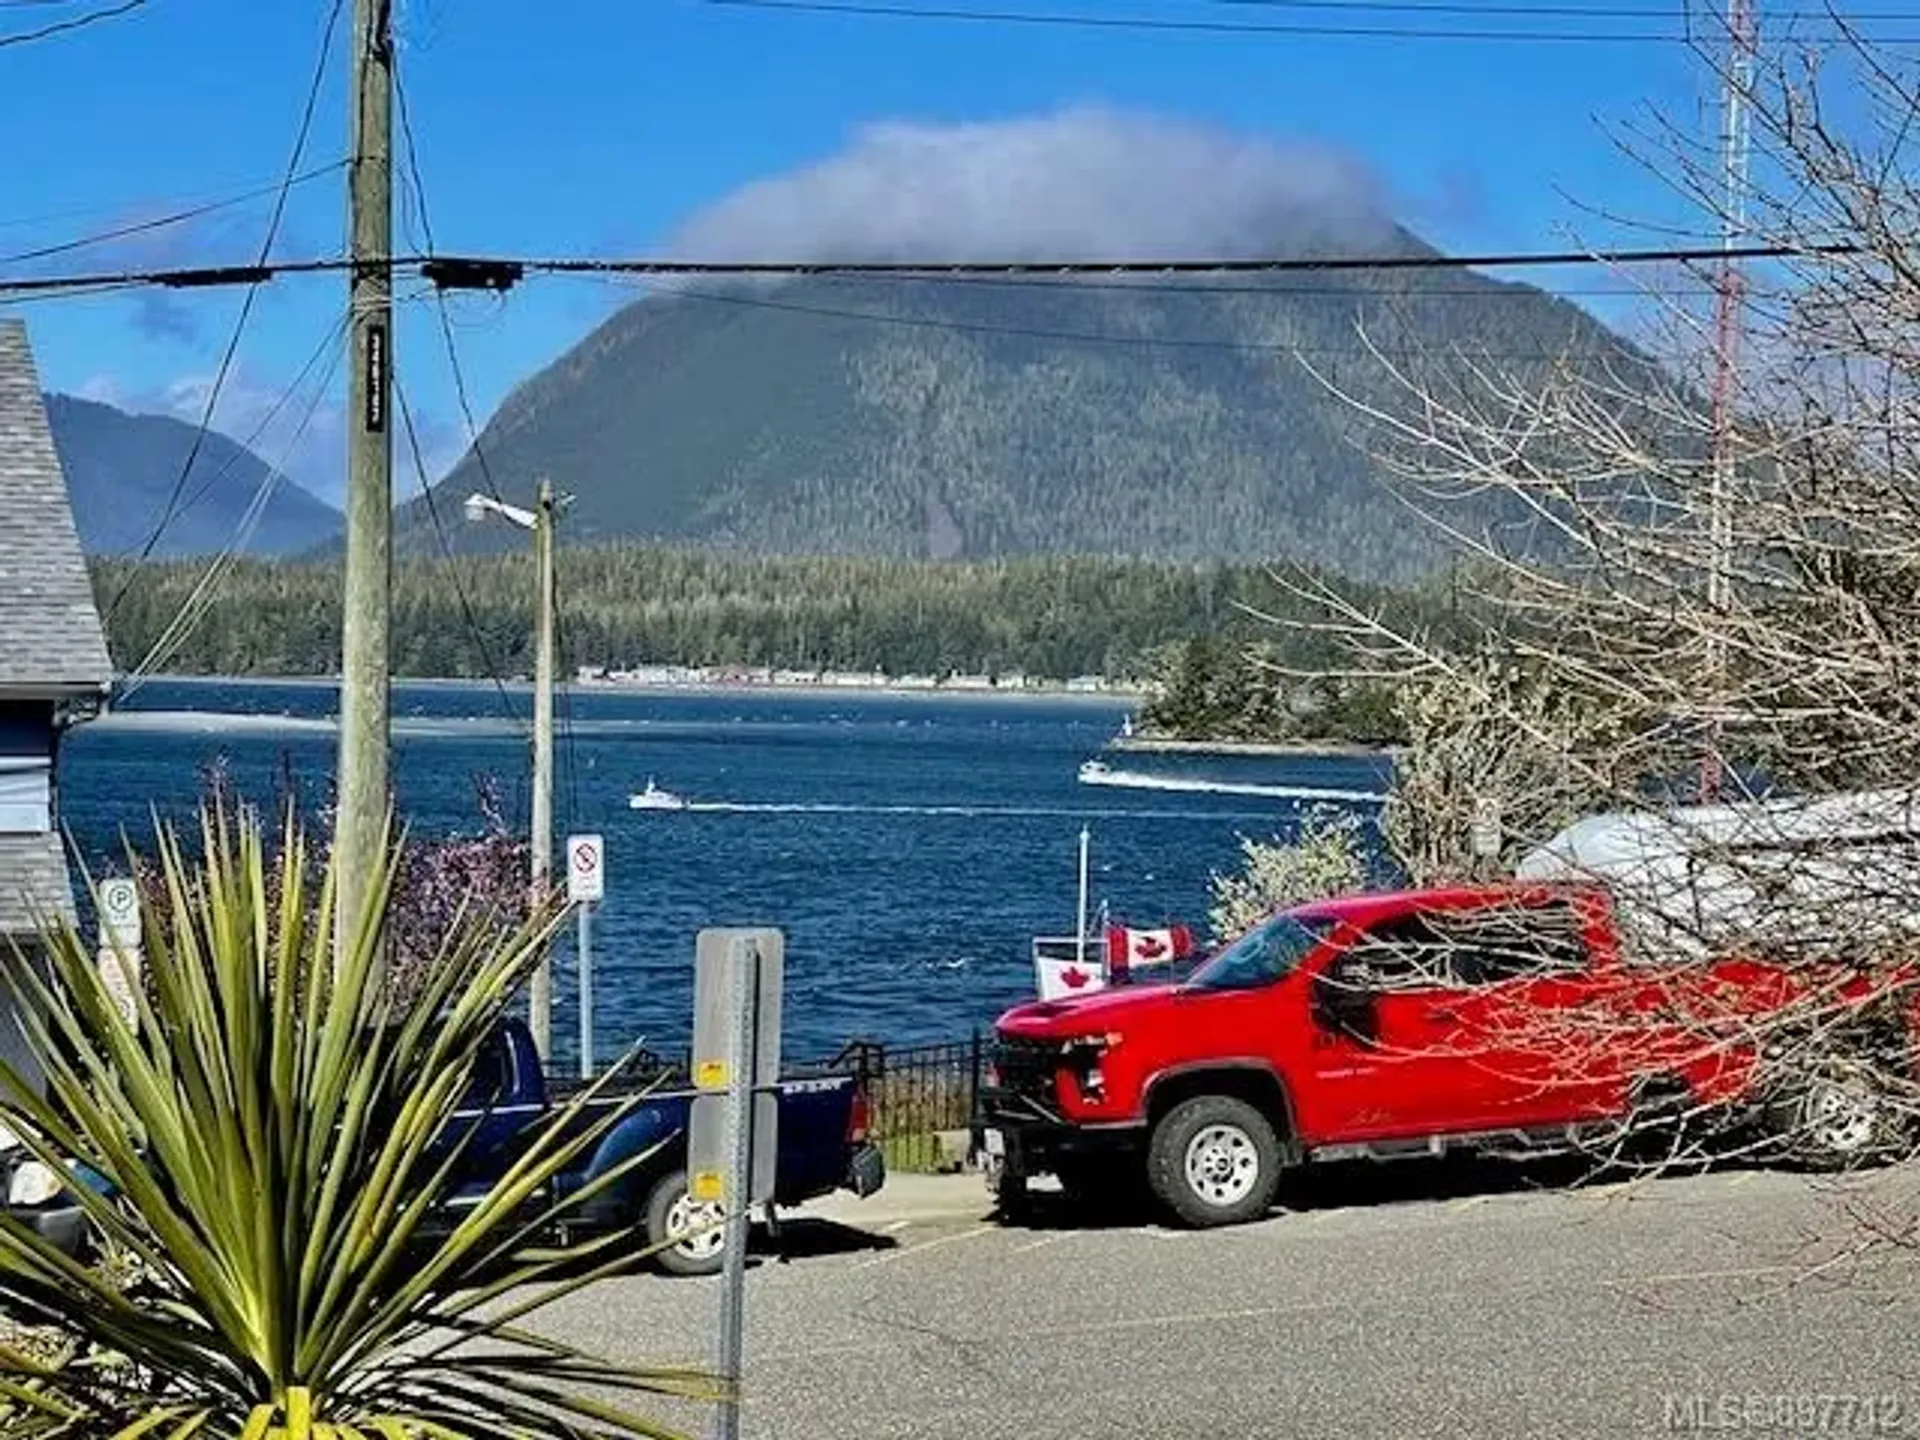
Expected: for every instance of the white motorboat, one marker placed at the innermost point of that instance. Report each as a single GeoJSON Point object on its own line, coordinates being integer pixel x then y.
{"type": "Point", "coordinates": [1094, 772]}
{"type": "Point", "coordinates": [654, 798]}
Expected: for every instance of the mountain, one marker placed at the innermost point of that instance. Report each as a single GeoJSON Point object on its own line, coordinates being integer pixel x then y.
{"type": "Point", "coordinates": [122, 470]}
{"type": "Point", "coordinates": [1166, 417]}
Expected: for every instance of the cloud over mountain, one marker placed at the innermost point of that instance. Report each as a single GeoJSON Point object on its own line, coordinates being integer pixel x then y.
{"type": "Point", "coordinates": [1082, 182]}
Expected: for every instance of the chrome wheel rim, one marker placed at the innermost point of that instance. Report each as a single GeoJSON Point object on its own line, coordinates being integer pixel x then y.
{"type": "Point", "coordinates": [1841, 1115]}
{"type": "Point", "coordinates": [698, 1222]}
{"type": "Point", "coordinates": [1222, 1165]}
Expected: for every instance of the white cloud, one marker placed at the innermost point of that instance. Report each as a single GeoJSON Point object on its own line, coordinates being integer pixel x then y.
{"type": "Point", "coordinates": [1086, 182]}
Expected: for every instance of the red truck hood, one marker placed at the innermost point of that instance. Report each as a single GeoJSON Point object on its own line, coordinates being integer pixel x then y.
{"type": "Point", "coordinates": [1102, 1010]}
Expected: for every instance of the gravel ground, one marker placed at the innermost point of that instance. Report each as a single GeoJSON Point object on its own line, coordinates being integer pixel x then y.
{"type": "Point", "coordinates": [1404, 1301]}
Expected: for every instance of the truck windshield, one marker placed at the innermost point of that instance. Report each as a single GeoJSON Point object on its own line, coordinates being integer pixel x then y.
{"type": "Point", "coordinates": [1263, 955]}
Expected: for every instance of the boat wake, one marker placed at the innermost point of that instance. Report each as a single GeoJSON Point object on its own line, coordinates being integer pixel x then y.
{"type": "Point", "coordinates": [1095, 773]}
{"type": "Point", "coordinates": [989, 812]}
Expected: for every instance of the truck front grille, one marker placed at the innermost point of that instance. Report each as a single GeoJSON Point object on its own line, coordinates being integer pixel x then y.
{"type": "Point", "coordinates": [1027, 1067]}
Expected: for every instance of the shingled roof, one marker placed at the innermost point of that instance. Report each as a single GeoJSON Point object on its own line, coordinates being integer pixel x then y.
{"type": "Point", "coordinates": [51, 637]}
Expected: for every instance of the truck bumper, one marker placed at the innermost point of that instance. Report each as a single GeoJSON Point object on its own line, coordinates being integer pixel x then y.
{"type": "Point", "coordinates": [867, 1171]}
{"type": "Point", "coordinates": [1015, 1136]}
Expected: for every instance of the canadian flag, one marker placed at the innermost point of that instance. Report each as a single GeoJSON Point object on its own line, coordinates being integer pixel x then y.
{"type": "Point", "coordinates": [1062, 979]}
{"type": "Point", "coordinates": [1129, 950]}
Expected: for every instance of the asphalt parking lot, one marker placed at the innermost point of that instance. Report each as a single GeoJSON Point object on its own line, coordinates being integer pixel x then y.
{"type": "Point", "coordinates": [1398, 1300]}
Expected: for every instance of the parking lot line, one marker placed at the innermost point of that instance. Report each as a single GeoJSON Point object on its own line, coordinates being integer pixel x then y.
{"type": "Point", "coordinates": [934, 1244]}
{"type": "Point", "coordinates": [1046, 1240]}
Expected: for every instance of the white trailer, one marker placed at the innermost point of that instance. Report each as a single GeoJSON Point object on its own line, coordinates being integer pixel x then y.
{"type": "Point", "coordinates": [1815, 875]}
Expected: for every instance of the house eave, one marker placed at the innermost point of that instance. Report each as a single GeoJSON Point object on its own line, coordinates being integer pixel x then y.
{"type": "Point", "coordinates": [55, 690]}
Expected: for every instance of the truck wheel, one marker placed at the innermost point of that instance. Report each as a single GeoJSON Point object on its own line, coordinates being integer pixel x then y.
{"type": "Point", "coordinates": [671, 1211]}
{"type": "Point", "coordinates": [1214, 1160]}
{"type": "Point", "coordinates": [1836, 1117]}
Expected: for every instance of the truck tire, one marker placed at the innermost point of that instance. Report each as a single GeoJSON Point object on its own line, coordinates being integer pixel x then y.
{"type": "Point", "coordinates": [671, 1211]}
{"type": "Point", "coordinates": [1836, 1117]}
{"type": "Point", "coordinates": [1214, 1160]}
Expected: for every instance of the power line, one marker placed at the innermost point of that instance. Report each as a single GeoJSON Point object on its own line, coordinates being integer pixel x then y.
{"type": "Point", "coordinates": [177, 217]}
{"type": "Point", "coordinates": [1146, 286]}
{"type": "Point", "coordinates": [1573, 12]}
{"type": "Point", "coordinates": [246, 306]}
{"type": "Point", "coordinates": [480, 644]}
{"type": "Point", "coordinates": [503, 272]}
{"type": "Point", "coordinates": [1061, 19]}
{"type": "Point", "coordinates": [1088, 337]}
{"type": "Point", "coordinates": [76, 22]}
{"type": "Point", "coordinates": [440, 296]}
{"type": "Point", "coordinates": [200, 599]}
{"type": "Point", "coordinates": [301, 135]}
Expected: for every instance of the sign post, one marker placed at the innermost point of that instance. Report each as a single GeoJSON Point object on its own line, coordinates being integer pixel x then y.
{"type": "Point", "coordinates": [120, 946]}
{"type": "Point", "coordinates": [586, 886]}
{"type": "Point", "coordinates": [1080, 920]}
{"type": "Point", "coordinates": [732, 1132]}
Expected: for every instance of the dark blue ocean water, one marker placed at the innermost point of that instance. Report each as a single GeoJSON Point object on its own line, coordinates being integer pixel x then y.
{"type": "Point", "coordinates": [909, 846]}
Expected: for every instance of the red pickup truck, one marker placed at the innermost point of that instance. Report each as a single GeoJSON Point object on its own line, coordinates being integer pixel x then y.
{"type": "Point", "coordinates": [1417, 1022]}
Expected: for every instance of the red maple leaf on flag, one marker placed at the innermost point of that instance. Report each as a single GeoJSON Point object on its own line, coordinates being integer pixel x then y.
{"type": "Point", "coordinates": [1074, 977]}
{"type": "Point", "coordinates": [1150, 946]}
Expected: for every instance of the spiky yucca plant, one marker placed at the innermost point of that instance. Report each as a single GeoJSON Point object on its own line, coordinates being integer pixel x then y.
{"type": "Point", "coordinates": [274, 1131]}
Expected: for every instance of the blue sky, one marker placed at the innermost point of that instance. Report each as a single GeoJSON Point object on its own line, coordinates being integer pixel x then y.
{"type": "Point", "coordinates": [596, 126]}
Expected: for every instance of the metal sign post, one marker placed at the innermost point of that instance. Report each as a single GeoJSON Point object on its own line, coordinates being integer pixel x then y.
{"type": "Point", "coordinates": [732, 1139]}
{"type": "Point", "coordinates": [1080, 921]}
{"type": "Point", "coordinates": [586, 885]}
{"type": "Point", "coordinates": [584, 960]}
{"type": "Point", "coordinates": [739, 1211]}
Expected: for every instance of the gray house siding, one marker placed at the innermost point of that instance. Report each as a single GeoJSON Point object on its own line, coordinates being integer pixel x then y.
{"type": "Point", "coordinates": [53, 664]}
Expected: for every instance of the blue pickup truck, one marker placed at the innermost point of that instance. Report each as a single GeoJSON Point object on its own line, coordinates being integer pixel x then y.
{"type": "Point", "coordinates": [822, 1142]}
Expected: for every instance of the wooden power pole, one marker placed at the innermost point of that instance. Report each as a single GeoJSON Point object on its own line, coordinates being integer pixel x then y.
{"type": "Point", "coordinates": [360, 824]}
{"type": "Point", "coordinates": [540, 989]}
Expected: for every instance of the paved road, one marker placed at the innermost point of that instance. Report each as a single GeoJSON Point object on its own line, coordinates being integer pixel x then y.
{"type": "Point", "coordinates": [1402, 1301]}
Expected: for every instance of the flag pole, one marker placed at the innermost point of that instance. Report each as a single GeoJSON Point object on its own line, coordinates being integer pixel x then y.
{"type": "Point", "coordinates": [1080, 924]}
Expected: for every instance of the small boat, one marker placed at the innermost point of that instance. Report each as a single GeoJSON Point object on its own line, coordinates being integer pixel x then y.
{"type": "Point", "coordinates": [1093, 772]}
{"type": "Point", "coordinates": [654, 798]}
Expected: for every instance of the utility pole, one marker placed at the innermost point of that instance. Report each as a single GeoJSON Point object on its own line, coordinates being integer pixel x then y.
{"type": "Point", "coordinates": [540, 990]}
{"type": "Point", "coordinates": [360, 825]}
{"type": "Point", "coordinates": [539, 522]}
{"type": "Point", "coordinates": [1735, 161]}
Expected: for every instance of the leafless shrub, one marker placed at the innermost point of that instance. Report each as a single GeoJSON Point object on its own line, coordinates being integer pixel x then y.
{"type": "Point", "coordinates": [1707, 602]}
{"type": "Point", "coordinates": [1327, 857]}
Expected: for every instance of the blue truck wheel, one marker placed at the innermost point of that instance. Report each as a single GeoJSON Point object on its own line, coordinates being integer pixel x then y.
{"type": "Point", "coordinates": [671, 1212]}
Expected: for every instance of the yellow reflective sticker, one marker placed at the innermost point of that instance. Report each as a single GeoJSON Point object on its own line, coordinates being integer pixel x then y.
{"type": "Point", "coordinates": [705, 1185]}
{"type": "Point", "coordinates": [711, 1075]}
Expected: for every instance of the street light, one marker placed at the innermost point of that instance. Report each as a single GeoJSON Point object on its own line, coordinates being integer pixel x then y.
{"type": "Point", "coordinates": [540, 522]}
{"type": "Point", "coordinates": [478, 507]}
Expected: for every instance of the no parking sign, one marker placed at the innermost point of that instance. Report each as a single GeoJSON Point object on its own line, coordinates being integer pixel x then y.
{"type": "Point", "coordinates": [586, 868]}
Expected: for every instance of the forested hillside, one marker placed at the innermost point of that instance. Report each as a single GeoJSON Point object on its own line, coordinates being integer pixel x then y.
{"type": "Point", "coordinates": [124, 474]}
{"type": "Point", "coordinates": [1182, 418]}
{"type": "Point", "coordinates": [1050, 616]}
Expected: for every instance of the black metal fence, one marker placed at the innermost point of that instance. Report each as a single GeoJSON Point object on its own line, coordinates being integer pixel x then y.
{"type": "Point", "coordinates": [920, 1099]}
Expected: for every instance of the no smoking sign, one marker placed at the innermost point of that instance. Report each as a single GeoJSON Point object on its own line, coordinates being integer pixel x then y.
{"type": "Point", "coordinates": [586, 868]}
